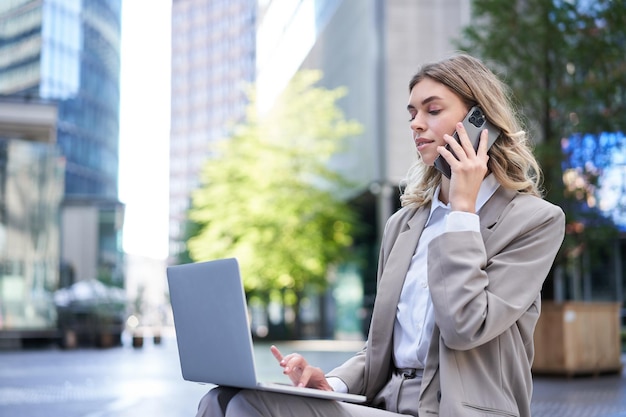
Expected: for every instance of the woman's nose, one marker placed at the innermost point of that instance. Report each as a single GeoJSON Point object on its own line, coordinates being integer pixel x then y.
{"type": "Point", "coordinates": [417, 124]}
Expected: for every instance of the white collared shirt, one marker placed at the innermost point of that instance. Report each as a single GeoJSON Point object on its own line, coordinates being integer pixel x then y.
{"type": "Point", "coordinates": [414, 315]}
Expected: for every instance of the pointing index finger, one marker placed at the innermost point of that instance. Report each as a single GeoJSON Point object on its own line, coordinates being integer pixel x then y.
{"type": "Point", "coordinates": [276, 353]}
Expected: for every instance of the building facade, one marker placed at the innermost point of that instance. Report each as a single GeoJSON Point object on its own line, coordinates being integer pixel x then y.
{"type": "Point", "coordinates": [213, 63]}
{"type": "Point", "coordinates": [31, 189]}
{"type": "Point", "coordinates": [67, 52]}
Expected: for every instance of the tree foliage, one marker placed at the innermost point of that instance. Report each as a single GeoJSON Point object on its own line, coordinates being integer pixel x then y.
{"type": "Point", "coordinates": [564, 61]}
{"type": "Point", "coordinates": [268, 196]}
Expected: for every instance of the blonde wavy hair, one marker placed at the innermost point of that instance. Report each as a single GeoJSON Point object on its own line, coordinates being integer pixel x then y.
{"type": "Point", "coordinates": [511, 159]}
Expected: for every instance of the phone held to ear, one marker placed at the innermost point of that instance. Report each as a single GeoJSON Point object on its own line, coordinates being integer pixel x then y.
{"type": "Point", "coordinates": [474, 123]}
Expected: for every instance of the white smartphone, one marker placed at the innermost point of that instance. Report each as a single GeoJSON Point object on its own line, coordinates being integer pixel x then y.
{"type": "Point", "coordinates": [474, 122]}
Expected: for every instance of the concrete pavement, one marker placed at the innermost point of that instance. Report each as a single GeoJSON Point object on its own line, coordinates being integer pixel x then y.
{"type": "Point", "coordinates": [125, 381]}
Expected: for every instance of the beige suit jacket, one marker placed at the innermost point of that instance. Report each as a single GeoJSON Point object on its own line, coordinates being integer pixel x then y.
{"type": "Point", "coordinates": [485, 289]}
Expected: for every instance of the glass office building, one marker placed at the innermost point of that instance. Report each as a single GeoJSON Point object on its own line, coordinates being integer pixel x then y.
{"type": "Point", "coordinates": [67, 53]}
{"type": "Point", "coordinates": [213, 60]}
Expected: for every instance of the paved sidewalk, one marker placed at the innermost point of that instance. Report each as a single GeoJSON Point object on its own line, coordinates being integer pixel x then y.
{"type": "Point", "coordinates": [583, 396]}
{"type": "Point", "coordinates": [127, 382]}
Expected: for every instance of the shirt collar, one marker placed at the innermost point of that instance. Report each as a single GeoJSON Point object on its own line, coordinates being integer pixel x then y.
{"type": "Point", "coordinates": [487, 188]}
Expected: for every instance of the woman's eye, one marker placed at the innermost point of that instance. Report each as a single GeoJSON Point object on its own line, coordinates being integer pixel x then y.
{"type": "Point", "coordinates": [434, 112]}
{"type": "Point", "coordinates": [412, 117]}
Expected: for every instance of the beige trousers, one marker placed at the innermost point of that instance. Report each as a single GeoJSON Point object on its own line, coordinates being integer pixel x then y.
{"type": "Point", "coordinates": [398, 398]}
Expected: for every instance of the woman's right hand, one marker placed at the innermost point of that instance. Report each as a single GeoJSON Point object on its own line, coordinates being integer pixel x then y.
{"type": "Point", "coordinates": [300, 372]}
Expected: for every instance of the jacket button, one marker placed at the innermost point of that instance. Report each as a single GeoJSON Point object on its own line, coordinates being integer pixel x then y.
{"type": "Point", "coordinates": [439, 396]}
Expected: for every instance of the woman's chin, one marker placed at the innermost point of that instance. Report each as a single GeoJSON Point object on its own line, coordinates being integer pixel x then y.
{"type": "Point", "coordinates": [428, 161]}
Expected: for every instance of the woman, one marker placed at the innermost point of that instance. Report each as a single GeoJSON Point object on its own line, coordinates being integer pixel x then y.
{"type": "Point", "coordinates": [460, 273]}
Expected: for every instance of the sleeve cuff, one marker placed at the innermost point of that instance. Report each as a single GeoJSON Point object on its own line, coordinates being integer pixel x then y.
{"type": "Point", "coordinates": [460, 221]}
{"type": "Point", "coordinates": [337, 384]}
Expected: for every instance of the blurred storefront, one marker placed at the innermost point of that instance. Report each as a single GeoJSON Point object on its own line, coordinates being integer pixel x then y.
{"type": "Point", "coordinates": [31, 190]}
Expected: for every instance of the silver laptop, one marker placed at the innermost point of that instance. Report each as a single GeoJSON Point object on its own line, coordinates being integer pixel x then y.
{"type": "Point", "coordinates": [213, 331]}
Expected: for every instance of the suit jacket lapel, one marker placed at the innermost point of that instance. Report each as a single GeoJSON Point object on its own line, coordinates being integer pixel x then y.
{"type": "Point", "coordinates": [493, 209]}
{"type": "Point", "coordinates": [489, 215]}
{"type": "Point", "coordinates": [380, 347]}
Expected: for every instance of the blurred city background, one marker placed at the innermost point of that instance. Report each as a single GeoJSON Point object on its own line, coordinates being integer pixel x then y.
{"type": "Point", "coordinates": [136, 135]}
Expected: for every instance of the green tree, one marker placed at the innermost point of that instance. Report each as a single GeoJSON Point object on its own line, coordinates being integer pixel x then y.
{"type": "Point", "coordinates": [269, 197]}
{"type": "Point", "coordinates": [564, 61]}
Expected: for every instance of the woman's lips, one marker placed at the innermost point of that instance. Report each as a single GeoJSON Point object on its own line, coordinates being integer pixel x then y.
{"type": "Point", "coordinates": [421, 143]}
